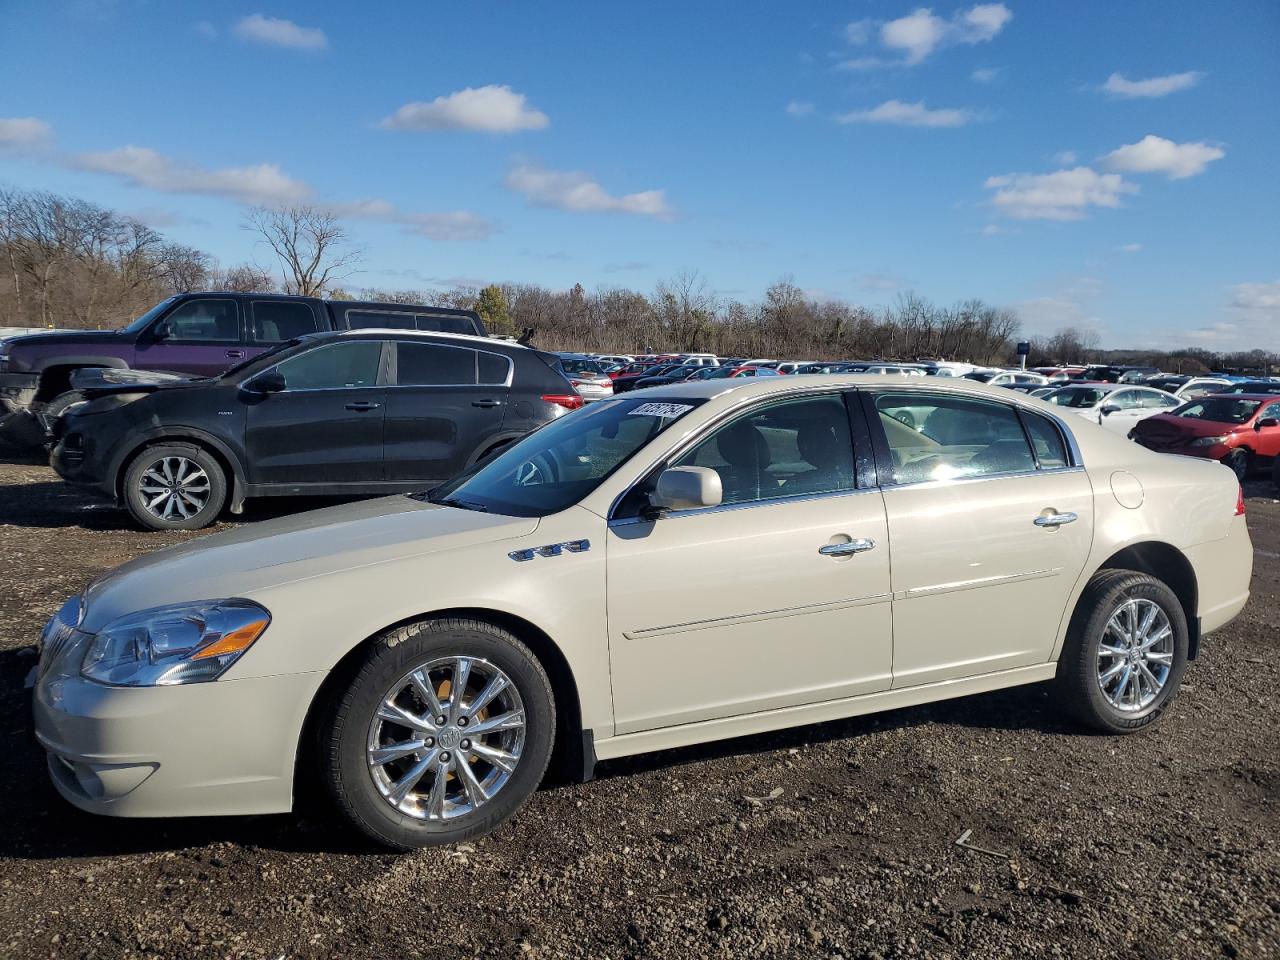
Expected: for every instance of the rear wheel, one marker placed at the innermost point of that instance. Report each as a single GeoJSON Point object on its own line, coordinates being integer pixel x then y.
{"type": "Point", "coordinates": [1238, 460]}
{"type": "Point", "coordinates": [444, 731]}
{"type": "Point", "coordinates": [1125, 652]}
{"type": "Point", "coordinates": [174, 487]}
{"type": "Point", "coordinates": [56, 407]}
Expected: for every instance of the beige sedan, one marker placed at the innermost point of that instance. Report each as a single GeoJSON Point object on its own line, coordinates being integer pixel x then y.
{"type": "Point", "coordinates": [703, 561]}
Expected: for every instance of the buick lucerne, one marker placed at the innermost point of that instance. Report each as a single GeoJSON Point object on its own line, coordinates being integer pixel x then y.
{"type": "Point", "coordinates": [697, 562]}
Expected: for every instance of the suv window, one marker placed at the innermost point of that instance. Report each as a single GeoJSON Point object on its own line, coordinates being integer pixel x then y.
{"type": "Point", "coordinates": [1047, 441]}
{"type": "Point", "coordinates": [409, 319]}
{"type": "Point", "coordinates": [937, 437]}
{"type": "Point", "coordinates": [276, 320]}
{"type": "Point", "coordinates": [333, 366]}
{"type": "Point", "coordinates": [793, 448]}
{"type": "Point", "coordinates": [429, 365]}
{"type": "Point", "coordinates": [204, 320]}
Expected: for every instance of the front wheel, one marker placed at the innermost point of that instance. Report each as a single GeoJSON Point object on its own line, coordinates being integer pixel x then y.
{"type": "Point", "coordinates": [174, 487]}
{"type": "Point", "coordinates": [1125, 652]}
{"type": "Point", "coordinates": [443, 733]}
{"type": "Point", "coordinates": [1238, 461]}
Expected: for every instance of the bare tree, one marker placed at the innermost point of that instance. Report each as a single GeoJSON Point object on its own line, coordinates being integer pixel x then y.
{"type": "Point", "coordinates": [184, 268]}
{"type": "Point", "coordinates": [244, 278]}
{"type": "Point", "coordinates": [310, 243]}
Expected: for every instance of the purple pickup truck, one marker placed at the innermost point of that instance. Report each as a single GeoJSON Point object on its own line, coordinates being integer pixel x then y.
{"type": "Point", "coordinates": [193, 334]}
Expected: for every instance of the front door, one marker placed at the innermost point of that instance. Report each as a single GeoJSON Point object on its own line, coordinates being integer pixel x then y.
{"type": "Point", "coordinates": [325, 427]}
{"type": "Point", "coordinates": [201, 336]}
{"type": "Point", "coordinates": [445, 404]}
{"type": "Point", "coordinates": [778, 597]}
{"type": "Point", "coordinates": [991, 523]}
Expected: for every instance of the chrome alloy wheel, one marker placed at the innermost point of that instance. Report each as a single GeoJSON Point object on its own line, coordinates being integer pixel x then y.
{"type": "Point", "coordinates": [446, 738]}
{"type": "Point", "coordinates": [174, 488]}
{"type": "Point", "coordinates": [1135, 655]}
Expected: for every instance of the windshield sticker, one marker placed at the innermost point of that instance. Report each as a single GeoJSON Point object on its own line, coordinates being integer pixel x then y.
{"type": "Point", "coordinates": [664, 410]}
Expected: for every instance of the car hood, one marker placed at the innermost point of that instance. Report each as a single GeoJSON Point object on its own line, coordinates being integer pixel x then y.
{"type": "Point", "coordinates": [1167, 427]}
{"type": "Point", "coordinates": [63, 336]}
{"type": "Point", "coordinates": [257, 556]}
{"type": "Point", "coordinates": [100, 381]}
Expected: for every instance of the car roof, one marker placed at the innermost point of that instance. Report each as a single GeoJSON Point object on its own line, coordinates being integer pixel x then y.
{"type": "Point", "coordinates": [1243, 396]}
{"type": "Point", "coordinates": [380, 332]}
{"type": "Point", "coordinates": [747, 387]}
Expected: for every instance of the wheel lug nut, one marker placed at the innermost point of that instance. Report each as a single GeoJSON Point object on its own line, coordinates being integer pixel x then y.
{"type": "Point", "coordinates": [444, 757]}
{"type": "Point", "coordinates": [430, 741]}
{"type": "Point", "coordinates": [465, 744]}
{"type": "Point", "coordinates": [462, 721]}
{"type": "Point", "coordinates": [440, 721]}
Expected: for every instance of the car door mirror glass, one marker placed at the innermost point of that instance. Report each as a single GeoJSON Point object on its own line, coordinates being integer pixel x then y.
{"type": "Point", "coordinates": [270, 382]}
{"type": "Point", "coordinates": [1268, 422]}
{"type": "Point", "coordinates": [1108, 409]}
{"type": "Point", "coordinates": [687, 488]}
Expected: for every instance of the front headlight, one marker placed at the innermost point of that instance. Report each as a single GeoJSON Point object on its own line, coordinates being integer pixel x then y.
{"type": "Point", "coordinates": [182, 643]}
{"type": "Point", "coordinates": [1207, 441]}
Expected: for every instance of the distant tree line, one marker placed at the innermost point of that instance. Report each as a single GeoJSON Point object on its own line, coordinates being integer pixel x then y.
{"type": "Point", "coordinates": [71, 263]}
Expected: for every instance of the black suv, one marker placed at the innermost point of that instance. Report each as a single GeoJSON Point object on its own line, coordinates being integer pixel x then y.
{"type": "Point", "coordinates": [358, 412]}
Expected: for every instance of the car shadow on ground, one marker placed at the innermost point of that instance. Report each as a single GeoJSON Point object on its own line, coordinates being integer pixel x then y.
{"type": "Point", "coordinates": [40, 825]}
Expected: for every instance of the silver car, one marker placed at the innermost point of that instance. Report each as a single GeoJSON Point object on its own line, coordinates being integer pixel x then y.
{"type": "Point", "coordinates": [587, 375]}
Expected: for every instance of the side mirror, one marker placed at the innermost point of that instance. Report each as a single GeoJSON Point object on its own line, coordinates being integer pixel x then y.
{"type": "Point", "coordinates": [161, 330]}
{"type": "Point", "coordinates": [686, 488]}
{"type": "Point", "coordinates": [1267, 422]}
{"type": "Point", "coordinates": [270, 382]}
{"type": "Point", "coordinates": [1109, 409]}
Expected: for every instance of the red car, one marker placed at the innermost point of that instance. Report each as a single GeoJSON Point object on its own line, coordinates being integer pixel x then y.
{"type": "Point", "coordinates": [1241, 430]}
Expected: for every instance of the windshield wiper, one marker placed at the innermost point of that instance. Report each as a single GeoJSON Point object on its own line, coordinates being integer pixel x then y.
{"type": "Point", "coordinates": [460, 504]}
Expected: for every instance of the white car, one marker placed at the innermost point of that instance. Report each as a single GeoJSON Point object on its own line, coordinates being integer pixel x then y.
{"type": "Point", "coordinates": [893, 369]}
{"type": "Point", "coordinates": [1115, 406]}
{"type": "Point", "coordinates": [702, 561]}
{"type": "Point", "coordinates": [1000, 378]}
{"type": "Point", "coordinates": [614, 360]}
{"type": "Point", "coordinates": [1198, 387]}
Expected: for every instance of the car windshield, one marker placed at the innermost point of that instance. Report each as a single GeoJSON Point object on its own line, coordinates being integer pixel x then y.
{"type": "Point", "coordinates": [573, 365]}
{"type": "Point", "coordinates": [556, 466]}
{"type": "Point", "coordinates": [146, 318]}
{"type": "Point", "coordinates": [1220, 410]}
{"type": "Point", "coordinates": [1076, 397]}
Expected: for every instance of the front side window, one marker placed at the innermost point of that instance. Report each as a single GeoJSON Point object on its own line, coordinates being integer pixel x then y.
{"type": "Point", "coordinates": [1219, 409]}
{"type": "Point", "coordinates": [429, 365]}
{"type": "Point", "coordinates": [937, 437]}
{"type": "Point", "coordinates": [1157, 401]}
{"type": "Point", "coordinates": [1123, 400]}
{"type": "Point", "coordinates": [333, 366]}
{"type": "Point", "coordinates": [204, 320]}
{"type": "Point", "coordinates": [556, 466]}
{"type": "Point", "coordinates": [788, 449]}
{"type": "Point", "coordinates": [277, 320]}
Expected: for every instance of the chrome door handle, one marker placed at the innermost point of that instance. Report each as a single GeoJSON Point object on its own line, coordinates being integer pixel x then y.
{"type": "Point", "coordinates": [847, 549]}
{"type": "Point", "coordinates": [1055, 519]}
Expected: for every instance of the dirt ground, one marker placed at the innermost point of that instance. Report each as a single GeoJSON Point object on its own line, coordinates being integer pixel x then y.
{"type": "Point", "coordinates": [1163, 844]}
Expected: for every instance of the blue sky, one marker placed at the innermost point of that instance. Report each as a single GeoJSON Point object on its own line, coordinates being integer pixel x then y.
{"type": "Point", "coordinates": [1105, 165]}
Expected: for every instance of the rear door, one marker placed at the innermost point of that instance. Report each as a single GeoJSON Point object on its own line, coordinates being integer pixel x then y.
{"type": "Point", "coordinates": [202, 336]}
{"type": "Point", "coordinates": [325, 427]}
{"type": "Point", "coordinates": [990, 521]}
{"type": "Point", "coordinates": [445, 404]}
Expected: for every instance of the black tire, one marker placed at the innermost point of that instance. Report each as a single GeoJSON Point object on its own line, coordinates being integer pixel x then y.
{"type": "Point", "coordinates": [1275, 473]}
{"type": "Point", "coordinates": [1239, 461]}
{"type": "Point", "coordinates": [1078, 688]}
{"type": "Point", "coordinates": [346, 730]}
{"type": "Point", "coordinates": [56, 407]}
{"type": "Point", "coordinates": [136, 501]}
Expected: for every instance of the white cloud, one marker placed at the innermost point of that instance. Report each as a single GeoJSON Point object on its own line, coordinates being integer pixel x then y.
{"type": "Point", "coordinates": [1130, 248]}
{"type": "Point", "coordinates": [1257, 296]}
{"type": "Point", "coordinates": [24, 133]}
{"type": "Point", "coordinates": [1154, 154]}
{"type": "Point", "coordinates": [858, 32]}
{"type": "Point", "coordinates": [1061, 195]}
{"type": "Point", "coordinates": [1066, 158]}
{"type": "Point", "coordinates": [880, 281]}
{"type": "Point", "coordinates": [920, 33]}
{"type": "Point", "coordinates": [799, 108]}
{"type": "Point", "coordinates": [986, 74]}
{"type": "Point", "coordinates": [203, 28]}
{"type": "Point", "coordinates": [449, 226]}
{"type": "Point", "coordinates": [263, 183]}
{"type": "Point", "coordinates": [278, 32]}
{"type": "Point", "coordinates": [1253, 323]}
{"type": "Point", "coordinates": [908, 115]}
{"type": "Point", "coordinates": [864, 64]}
{"type": "Point", "coordinates": [1118, 85]}
{"type": "Point", "coordinates": [489, 109]}
{"type": "Point", "coordinates": [577, 192]}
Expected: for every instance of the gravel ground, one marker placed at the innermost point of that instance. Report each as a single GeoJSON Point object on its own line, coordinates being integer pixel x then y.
{"type": "Point", "coordinates": [828, 841]}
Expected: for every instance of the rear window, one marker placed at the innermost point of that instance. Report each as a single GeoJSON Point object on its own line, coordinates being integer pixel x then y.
{"type": "Point", "coordinates": [571, 365]}
{"type": "Point", "coordinates": [277, 320]}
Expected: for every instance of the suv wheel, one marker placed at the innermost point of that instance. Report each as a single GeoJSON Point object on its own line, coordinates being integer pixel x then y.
{"type": "Point", "coordinates": [1238, 460]}
{"type": "Point", "coordinates": [174, 487]}
{"type": "Point", "coordinates": [1125, 652]}
{"type": "Point", "coordinates": [442, 734]}
{"type": "Point", "coordinates": [56, 407]}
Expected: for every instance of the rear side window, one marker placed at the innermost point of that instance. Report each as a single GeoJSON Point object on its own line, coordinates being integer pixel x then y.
{"type": "Point", "coordinates": [277, 320]}
{"type": "Point", "coordinates": [378, 320]}
{"type": "Point", "coordinates": [493, 369]}
{"type": "Point", "coordinates": [1050, 450]}
{"type": "Point", "coordinates": [937, 437]}
{"type": "Point", "coordinates": [429, 365]}
{"type": "Point", "coordinates": [409, 319]}
{"type": "Point", "coordinates": [444, 323]}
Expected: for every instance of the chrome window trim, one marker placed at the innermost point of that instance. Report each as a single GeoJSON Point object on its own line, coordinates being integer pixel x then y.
{"type": "Point", "coordinates": [1005, 475]}
{"type": "Point", "coordinates": [745, 505]}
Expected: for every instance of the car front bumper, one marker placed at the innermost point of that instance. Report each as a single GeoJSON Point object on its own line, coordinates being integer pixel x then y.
{"type": "Point", "coordinates": [204, 749]}
{"type": "Point", "coordinates": [18, 391]}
